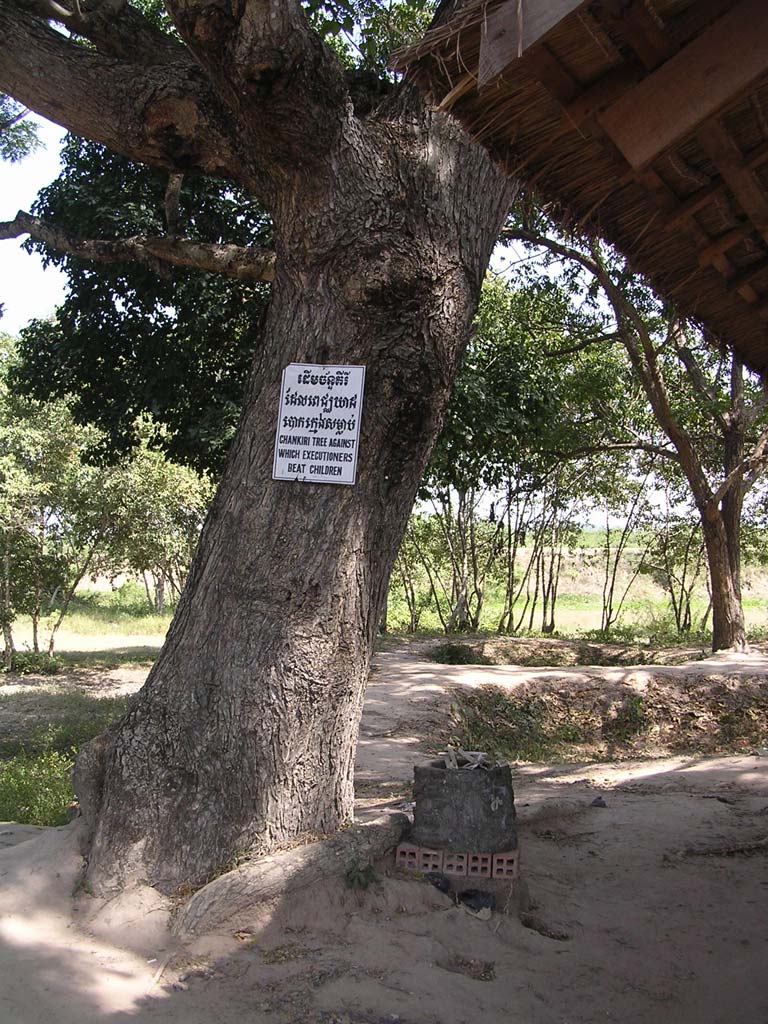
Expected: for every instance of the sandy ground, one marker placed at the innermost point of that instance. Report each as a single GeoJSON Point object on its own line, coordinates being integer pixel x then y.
{"type": "Point", "coordinates": [650, 909]}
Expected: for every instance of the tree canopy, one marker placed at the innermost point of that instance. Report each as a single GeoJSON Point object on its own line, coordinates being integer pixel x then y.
{"type": "Point", "coordinates": [146, 337]}
{"type": "Point", "coordinates": [18, 135]}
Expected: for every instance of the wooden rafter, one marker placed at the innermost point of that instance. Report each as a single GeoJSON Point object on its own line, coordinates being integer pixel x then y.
{"type": "Point", "coordinates": [642, 31]}
{"type": "Point", "coordinates": [747, 276]}
{"type": "Point", "coordinates": [740, 178]}
{"type": "Point", "coordinates": [729, 57]}
{"type": "Point", "coordinates": [579, 108]}
{"type": "Point", "coordinates": [666, 198]}
{"type": "Point", "coordinates": [720, 245]}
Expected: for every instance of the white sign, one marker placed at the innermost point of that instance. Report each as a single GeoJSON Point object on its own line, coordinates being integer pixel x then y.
{"type": "Point", "coordinates": [318, 426]}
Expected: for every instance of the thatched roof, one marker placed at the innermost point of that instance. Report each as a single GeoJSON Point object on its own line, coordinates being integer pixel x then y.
{"type": "Point", "coordinates": [645, 121]}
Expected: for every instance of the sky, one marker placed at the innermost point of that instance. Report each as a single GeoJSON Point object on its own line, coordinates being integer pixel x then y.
{"type": "Point", "coordinates": [27, 291]}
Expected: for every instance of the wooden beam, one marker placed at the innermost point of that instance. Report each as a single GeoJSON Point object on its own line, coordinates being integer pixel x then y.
{"type": "Point", "coordinates": [501, 41]}
{"type": "Point", "coordinates": [601, 93]}
{"type": "Point", "coordinates": [747, 276]}
{"type": "Point", "coordinates": [548, 70]}
{"type": "Point", "coordinates": [699, 15]}
{"type": "Point", "coordinates": [610, 86]}
{"type": "Point", "coordinates": [722, 151]}
{"type": "Point", "coordinates": [602, 40]}
{"type": "Point", "coordinates": [704, 196]}
{"type": "Point", "coordinates": [695, 202]}
{"type": "Point", "coordinates": [667, 201]}
{"type": "Point", "coordinates": [724, 242]}
{"type": "Point", "coordinates": [641, 30]}
{"type": "Point", "coordinates": [692, 86]}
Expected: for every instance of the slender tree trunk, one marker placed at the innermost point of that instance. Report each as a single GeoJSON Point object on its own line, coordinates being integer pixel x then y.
{"type": "Point", "coordinates": [244, 735]}
{"type": "Point", "coordinates": [728, 628]}
{"type": "Point", "coordinates": [148, 591]}
{"type": "Point", "coordinates": [733, 504]}
{"type": "Point", "coordinates": [7, 610]}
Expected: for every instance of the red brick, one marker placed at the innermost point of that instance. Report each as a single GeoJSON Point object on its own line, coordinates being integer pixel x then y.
{"type": "Point", "coordinates": [505, 865]}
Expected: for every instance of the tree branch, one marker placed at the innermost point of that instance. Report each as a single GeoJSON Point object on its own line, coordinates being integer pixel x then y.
{"type": "Point", "coordinates": [753, 411]}
{"type": "Point", "coordinates": [750, 469]}
{"type": "Point", "coordinates": [559, 248]}
{"type": "Point", "coordinates": [241, 262]}
{"type": "Point", "coordinates": [696, 376]}
{"type": "Point", "coordinates": [628, 446]}
{"type": "Point", "coordinates": [5, 125]}
{"type": "Point", "coordinates": [573, 349]}
{"type": "Point", "coordinates": [165, 116]}
{"type": "Point", "coordinates": [637, 342]}
{"type": "Point", "coordinates": [116, 28]}
{"type": "Point", "coordinates": [271, 68]}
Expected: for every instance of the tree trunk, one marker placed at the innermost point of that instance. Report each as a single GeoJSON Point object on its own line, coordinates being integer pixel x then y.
{"type": "Point", "coordinates": [727, 615]}
{"type": "Point", "coordinates": [7, 612]}
{"type": "Point", "coordinates": [244, 735]}
{"type": "Point", "coordinates": [733, 502]}
{"type": "Point", "coordinates": [147, 590]}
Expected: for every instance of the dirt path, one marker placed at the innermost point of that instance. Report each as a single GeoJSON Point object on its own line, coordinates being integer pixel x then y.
{"type": "Point", "coordinates": [649, 909]}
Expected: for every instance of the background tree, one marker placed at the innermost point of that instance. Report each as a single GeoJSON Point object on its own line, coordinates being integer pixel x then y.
{"type": "Point", "coordinates": [179, 341]}
{"type": "Point", "coordinates": [530, 404]}
{"type": "Point", "coordinates": [62, 518]}
{"type": "Point", "coordinates": [18, 135]}
{"type": "Point", "coordinates": [676, 557]}
{"type": "Point", "coordinates": [162, 507]}
{"type": "Point", "coordinates": [714, 428]}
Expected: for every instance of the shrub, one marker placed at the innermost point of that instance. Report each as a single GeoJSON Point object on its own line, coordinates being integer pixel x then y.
{"type": "Point", "coordinates": [630, 719]}
{"type": "Point", "coordinates": [33, 663]}
{"type": "Point", "coordinates": [458, 654]}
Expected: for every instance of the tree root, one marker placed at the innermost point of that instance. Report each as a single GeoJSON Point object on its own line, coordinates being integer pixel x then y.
{"type": "Point", "coordinates": [278, 874]}
{"type": "Point", "coordinates": [757, 846]}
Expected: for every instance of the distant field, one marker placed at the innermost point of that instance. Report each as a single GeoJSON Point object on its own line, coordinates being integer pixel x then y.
{"type": "Point", "coordinates": [104, 620]}
{"type": "Point", "coordinates": [579, 600]}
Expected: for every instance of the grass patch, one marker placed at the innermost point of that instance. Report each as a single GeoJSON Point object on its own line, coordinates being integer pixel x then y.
{"type": "Point", "coordinates": [54, 720]}
{"type": "Point", "coordinates": [36, 789]}
{"type": "Point", "coordinates": [42, 734]}
{"type": "Point", "coordinates": [629, 719]}
{"type": "Point", "coordinates": [125, 612]}
{"type": "Point", "coordinates": [512, 728]}
{"type": "Point", "coordinates": [113, 657]}
{"type": "Point", "coordinates": [25, 663]}
{"type": "Point", "coordinates": [695, 716]}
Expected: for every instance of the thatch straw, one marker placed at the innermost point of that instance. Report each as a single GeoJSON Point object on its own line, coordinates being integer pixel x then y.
{"type": "Point", "coordinates": [577, 170]}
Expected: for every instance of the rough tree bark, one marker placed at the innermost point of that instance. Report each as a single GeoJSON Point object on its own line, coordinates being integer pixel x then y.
{"type": "Point", "coordinates": [244, 735]}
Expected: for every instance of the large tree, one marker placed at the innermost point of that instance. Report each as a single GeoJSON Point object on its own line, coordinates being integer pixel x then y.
{"type": "Point", "coordinates": [384, 216]}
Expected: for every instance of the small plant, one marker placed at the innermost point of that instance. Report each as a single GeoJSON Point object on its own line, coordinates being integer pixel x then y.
{"type": "Point", "coordinates": [505, 725]}
{"type": "Point", "coordinates": [73, 719]}
{"type": "Point", "coordinates": [36, 765]}
{"type": "Point", "coordinates": [630, 719]}
{"type": "Point", "coordinates": [359, 877]}
{"type": "Point", "coordinates": [619, 633]}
